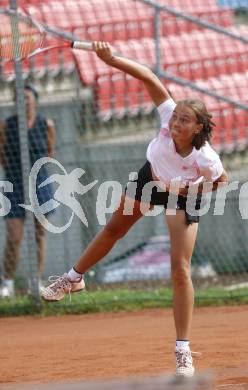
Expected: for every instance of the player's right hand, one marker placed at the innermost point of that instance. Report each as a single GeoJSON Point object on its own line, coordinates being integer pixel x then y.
{"type": "Point", "coordinates": [103, 51]}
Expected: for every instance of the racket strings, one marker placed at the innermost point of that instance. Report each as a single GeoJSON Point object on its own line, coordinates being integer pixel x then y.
{"type": "Point", "coordinates": [18, 38]}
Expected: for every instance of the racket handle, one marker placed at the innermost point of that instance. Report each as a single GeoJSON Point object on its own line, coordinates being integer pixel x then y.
{"type": "Point", "coordinates": [82, 45]}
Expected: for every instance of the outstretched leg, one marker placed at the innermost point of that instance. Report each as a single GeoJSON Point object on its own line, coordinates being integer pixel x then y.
{"type": "Point", "coordinates": [116, 228]}
{"type": "Point", "coordinates": [119, 224]}
{"type": "Point", "coordinates": [182, 237]}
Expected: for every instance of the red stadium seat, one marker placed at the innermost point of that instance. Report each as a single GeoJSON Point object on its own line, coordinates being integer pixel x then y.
{"type": "Point", "coordinates": [119, 97]}
{"type": "Point", "coordinates": [119, 19]}
{"type": "Point", "coordinates": [36, 13]}
{"type": "Point", "coordinates": [229, 126]}
{"type": "Point", "coordinates": [104, 20]}
{"type": "Point", "coordinates": [241, 126]}
{"type": "Point", "coordinates": [103, 96]}
{"type": "Point", "coordinates": [147, 105]}
{"type": "Point", "coordinates": [142, 16]}
{"type": "Point", "coordinates": [133, 95]}
{"type": "Point", "coordinates": [204, 11]}
{"type": "Point", "coordinates": [84, 65]}
{"type": "Point", "coordinates": [7, 71]}
{"type": "Point", "coordinates": [39, 65]}
{"type": "Point", "coordinates": [55, 15]}
{"type": "Point", "coordinates": [73, 12]}
{"type": "Point", "coordinates": [89, 66]}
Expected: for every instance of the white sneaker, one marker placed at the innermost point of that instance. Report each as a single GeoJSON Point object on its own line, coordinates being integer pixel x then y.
{"type": "Point", "coordinates": [61, 286]}
{"type": "Point", "coordinates": [184, 363]}
{"type": "Point", "coordinates": [7, 290]}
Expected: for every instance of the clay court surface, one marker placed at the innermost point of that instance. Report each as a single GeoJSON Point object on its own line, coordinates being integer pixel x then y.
{"type": "Point", "coordinates": [122, 345]}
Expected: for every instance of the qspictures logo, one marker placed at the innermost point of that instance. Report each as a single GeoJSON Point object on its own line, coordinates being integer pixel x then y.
{"type": "Point", "coordinates": [69, 187]}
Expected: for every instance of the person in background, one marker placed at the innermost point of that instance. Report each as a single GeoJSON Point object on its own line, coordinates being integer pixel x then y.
{"type": "Point", "coordinates": [41, 143]}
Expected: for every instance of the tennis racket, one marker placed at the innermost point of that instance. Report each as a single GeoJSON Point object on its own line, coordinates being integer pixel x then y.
{"type": "Point", "coordinates": [23, 37]}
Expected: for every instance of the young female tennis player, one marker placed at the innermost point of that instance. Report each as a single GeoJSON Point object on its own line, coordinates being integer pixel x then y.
{"type": "Point", "coordinates": [181, 150]}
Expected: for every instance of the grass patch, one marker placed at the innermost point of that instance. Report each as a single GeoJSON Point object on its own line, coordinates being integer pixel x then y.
{"type": "Point", "coordinates": [116, 300]}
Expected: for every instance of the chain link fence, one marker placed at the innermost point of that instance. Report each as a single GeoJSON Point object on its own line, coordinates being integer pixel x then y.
{"type": "Point", "coordinates": [95, 124]}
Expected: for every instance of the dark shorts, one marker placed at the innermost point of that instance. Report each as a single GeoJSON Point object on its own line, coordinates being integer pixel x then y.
{"type": "Point", "coordinates": [155, 196]}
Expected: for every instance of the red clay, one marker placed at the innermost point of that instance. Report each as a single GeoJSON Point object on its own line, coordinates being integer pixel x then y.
{"type": "Point", "coordinates": [89, 347]}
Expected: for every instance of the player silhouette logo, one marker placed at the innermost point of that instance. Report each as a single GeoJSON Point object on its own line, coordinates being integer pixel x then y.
{"type": "Point", "coordinates": [68, 186]}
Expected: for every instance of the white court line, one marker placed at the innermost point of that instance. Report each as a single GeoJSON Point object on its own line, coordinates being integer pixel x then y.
{"type": "Point", "coordinates": [231, 384]}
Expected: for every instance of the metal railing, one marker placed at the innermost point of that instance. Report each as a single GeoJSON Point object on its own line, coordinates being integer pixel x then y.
{"type": "Point", "coordinates": [158, 8]}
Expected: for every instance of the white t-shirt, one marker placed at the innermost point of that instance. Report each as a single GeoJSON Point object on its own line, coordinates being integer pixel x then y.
{"type": "Point", "coordinates": [200, 165]}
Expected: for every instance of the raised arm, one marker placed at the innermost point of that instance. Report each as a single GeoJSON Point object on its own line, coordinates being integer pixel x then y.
{"type": "Point", "coordinates": [151, 82]}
